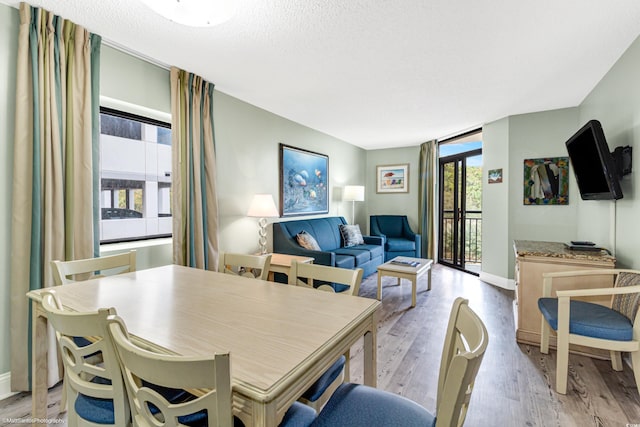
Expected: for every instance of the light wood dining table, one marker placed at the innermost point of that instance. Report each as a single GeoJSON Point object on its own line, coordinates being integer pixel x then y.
{"type": "Point", "coordinates": [280, 338]}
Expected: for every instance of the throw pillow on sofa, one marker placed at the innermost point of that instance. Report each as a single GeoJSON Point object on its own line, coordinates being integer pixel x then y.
{"type": "Point", "coordinates": [351, 235]}
{"type": "Point", "coordinates": [307, 241]}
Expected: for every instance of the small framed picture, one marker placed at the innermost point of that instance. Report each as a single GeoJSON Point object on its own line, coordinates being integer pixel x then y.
{"type": "Point", "coordinates": [392, 178]}
{"type": "Point", "coordinates": [546, 181]}
{"type": "Point", "coordinates": [495, 176]}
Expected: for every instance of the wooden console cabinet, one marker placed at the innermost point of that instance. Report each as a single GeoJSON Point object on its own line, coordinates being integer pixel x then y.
{"type": "Point", "coordinates": [534, 258]}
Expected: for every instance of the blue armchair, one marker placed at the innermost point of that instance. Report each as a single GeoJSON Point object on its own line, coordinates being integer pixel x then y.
{"type": "Point", "coordinates": [398, 238]}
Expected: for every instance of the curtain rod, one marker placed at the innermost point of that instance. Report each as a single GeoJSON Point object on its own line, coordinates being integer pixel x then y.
{"type": "Point", "coordinates": [135, 54]}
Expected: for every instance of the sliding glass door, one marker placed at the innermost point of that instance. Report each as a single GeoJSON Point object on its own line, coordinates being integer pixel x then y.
{"type": "Point", "coordinates": [460, 240]}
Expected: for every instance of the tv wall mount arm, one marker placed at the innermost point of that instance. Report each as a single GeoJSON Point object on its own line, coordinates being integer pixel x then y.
{"type": "Point", "coordinates": [622, 158]}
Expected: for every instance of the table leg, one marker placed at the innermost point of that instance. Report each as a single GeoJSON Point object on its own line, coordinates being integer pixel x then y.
{"type": "Point", "coordinates": [414, 290]}
{"type": "Point", "coordinates": [379, 286]}
{"type": "Point", "coordinates": [370, 363]}
{"type": "Point", "coordinates": [347, 366]}
{"type": "Point", "coordinates": [39, 363]}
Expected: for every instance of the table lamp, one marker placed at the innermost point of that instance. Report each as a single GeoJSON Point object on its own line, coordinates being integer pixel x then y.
{"type": "Point", "coordinates": [353, 194]}
{"type": "Point", "coordinates": [263, 207]}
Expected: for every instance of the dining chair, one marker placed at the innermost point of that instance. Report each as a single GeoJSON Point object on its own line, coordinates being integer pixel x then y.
{"type": "Point", "coordinates": [306, 275]}
{"type": "Point", "coordinates": [252, 266]}
{"type": "Point", "coordinates": [65, 272]}
{"type": "Point", "coordinates": [345, 281]}
{"type": "Point", "coordinates": [465, 343]}
{"type": "Point", "coordinates": [86, 268]}
{"type": "Point", "coordinates": [151, 377]}
{"type": "Point", "coordinates": [96, 391]}
{"type": "Point", "coordinates": [615, 328]}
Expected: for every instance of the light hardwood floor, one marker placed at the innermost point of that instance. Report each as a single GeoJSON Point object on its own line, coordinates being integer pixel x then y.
{"type": "Point", "coordinates": [514, 385]}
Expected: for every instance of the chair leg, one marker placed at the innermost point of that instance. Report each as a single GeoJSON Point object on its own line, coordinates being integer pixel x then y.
{"type": "Point", "coordinates": [63, 399]}
{"type": "Point", "coordinates": [562, 366]}
{"type": "Point", "coordinates": [545, 331]}
{"type": "Point", "coordinates": [616, 360]}
{"type": "Point", "coordinates": [635, 364]}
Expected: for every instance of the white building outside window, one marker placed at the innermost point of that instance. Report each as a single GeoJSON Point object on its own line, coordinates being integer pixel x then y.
{"type": "Point", "coordinates": [135, 177]}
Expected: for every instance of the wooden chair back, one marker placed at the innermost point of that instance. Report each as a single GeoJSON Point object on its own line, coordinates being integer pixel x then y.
{"type": "Point", "coordinates": [302, 274]}
{"type": "Point", "coordinates": [83, 375]}
{"type": "Point", "coordinates": [465, 343]}
{"type": "Point", "coordinates": [87, 268]}
{"type": "Point", "coordinates": [252, 266]}
{"type": "Point", "coordinates": [142, 368]}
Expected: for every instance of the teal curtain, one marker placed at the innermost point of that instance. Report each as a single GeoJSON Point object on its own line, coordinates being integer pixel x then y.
{"type": "Point", "coordinates": [194, 200]}
{"type": "Point", "coordinates": [427, 201]}
{"type": "Point", "coordinates": [54, 206]}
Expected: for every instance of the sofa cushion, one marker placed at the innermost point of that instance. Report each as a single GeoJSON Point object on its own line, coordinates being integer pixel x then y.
{"type": "Point", "coordinates": [360, 255]}
{"type": "Point", "coordinates": [398, 244]}
{"type": "Point", "coordinates": [351, 235]}
{"type": "Point", "coordinates": [324, 230]}
{"type": "Point", "coordinates": [307, 241]}
{"type": "Point", "coordinates": [345, 261]}
{"type": "Point", "coordinates": [376, 251]}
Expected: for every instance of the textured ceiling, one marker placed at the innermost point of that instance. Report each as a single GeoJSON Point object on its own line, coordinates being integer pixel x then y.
{"type": "Point", "coordinates": [384, 73]}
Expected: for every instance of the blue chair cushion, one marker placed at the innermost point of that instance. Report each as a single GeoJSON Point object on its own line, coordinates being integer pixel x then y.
{"type": "Point", "coordinates": [589, 320]}
{"type": "Point", "coordinates": [395, 244]}
{"type": "Point", "coordinates": [315, 391]}
{"type": "Point", "coordinates": [298, 415]}
{"type": "Point", "coordinates": [99, 411]}
{"type": "Point", "coordinates": [360, 405]}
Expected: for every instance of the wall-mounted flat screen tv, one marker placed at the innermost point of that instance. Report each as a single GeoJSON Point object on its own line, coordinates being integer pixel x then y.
{"type": "Point", "coordinates": [593, 164]}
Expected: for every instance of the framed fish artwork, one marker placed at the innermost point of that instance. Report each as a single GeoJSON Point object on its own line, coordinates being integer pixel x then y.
{"type": "Point", "coordinates": [392, 178]}
{"type": "Point", "coordinates": [304, 182]}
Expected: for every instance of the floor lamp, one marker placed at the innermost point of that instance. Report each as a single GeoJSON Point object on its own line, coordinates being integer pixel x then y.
{"type": "Point", "coordinates": [263, 207]}
{"type": "Point", "coordinates": [353, 194]}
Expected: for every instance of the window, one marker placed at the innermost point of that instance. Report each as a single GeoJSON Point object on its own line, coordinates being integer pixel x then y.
{"type": "Point", "coordinates": [135, 177]}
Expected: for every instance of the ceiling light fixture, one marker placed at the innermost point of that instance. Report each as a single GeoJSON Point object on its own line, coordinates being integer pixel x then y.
{"type": "Point", "coordinates": [194, 13]}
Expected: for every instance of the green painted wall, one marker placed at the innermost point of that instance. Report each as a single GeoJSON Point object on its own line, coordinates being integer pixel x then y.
{"type": "Point", "coordinates": [615, 102]}
{"type": "Point", "coordinates": [495, 200]}
{"type": "Point", "coordinates": [247, 153]}
{"type": "Point", "coordinates": [533, 136]}
{"type": "Point", "coordinates": [395, 203]}
{"type": "Point", "coordinates": [507, 143]}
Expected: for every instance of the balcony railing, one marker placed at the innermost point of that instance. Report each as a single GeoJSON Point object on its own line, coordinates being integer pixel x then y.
{"type": "Point", "coordinates": [472, 236]}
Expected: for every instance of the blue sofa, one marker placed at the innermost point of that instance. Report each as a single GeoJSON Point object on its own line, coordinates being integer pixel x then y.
{"type": "Point", "coordinates": [399, 240]}
{"type": "Point", "coordinates": [333, 253]}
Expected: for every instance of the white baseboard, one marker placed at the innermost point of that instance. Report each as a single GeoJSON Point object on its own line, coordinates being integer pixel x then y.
{"type": "Point", "coordinates": [5, 385]}
{"type": "Point", "coordinates": [501, 282]}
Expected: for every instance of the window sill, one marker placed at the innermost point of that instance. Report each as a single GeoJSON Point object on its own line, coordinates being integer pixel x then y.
{"type": "Point", "coordinates": [127, 246]}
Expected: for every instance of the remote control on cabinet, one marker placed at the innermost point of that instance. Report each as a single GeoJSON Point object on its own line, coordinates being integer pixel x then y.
{"type": "Point", "coordinates": [582, 243]}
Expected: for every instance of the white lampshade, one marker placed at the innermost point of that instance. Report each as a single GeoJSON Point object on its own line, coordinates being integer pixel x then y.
{"type": "Point", "coordinates": [194, 13]}
{"type": "Point", "coordinates": [353, 193]}
{"type": "Point", "coordinates": [263, 206]}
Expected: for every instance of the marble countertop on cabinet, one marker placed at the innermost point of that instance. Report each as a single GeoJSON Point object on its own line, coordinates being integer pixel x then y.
{"type": "Point", "coordinates": [526, 248]}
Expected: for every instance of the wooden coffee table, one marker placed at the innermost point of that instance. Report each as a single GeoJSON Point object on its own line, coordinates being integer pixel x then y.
{"type": "Point", "coordinates": [393, 269]}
